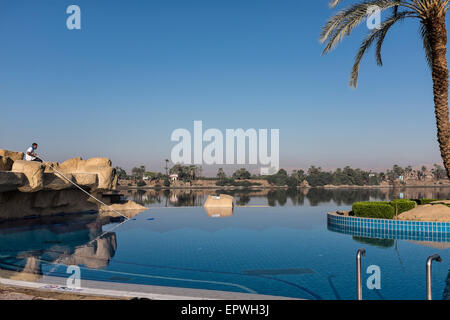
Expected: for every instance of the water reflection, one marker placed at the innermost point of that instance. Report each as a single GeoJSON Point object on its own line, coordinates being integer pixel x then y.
{"type": "Point", "coordinates": [280, 197]}
{"type": "Point", "coordinates": [380, 243]}
{"type": "Point", "coordinates": [219, 212]}
{"type": "Point", "coordinates": [27, 246]}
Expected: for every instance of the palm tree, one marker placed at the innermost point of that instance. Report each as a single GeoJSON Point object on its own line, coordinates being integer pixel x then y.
{"type": "Point", "coordinates": [221, 175]}
{"type": "Point", "coordinates": [431, 16]}
{"type": "Point", "coordinates": [167, 167]}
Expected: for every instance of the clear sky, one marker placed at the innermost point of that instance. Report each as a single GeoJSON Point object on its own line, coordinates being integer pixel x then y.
{"type": "Point", "coordinates": [137, 70]}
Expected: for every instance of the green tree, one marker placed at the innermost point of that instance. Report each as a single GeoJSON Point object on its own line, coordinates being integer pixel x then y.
{"type": "Point", "coordinates": [399, 171]}
{"type": "Point", "coordinates": [281, 178]}
{"type": "Point", "coordinates": [221, 175]}
{"type": "Point", "coordinates": [138, 173]}
{"type": "Point", "coordinates": [185, 173]}
{"type": "Point", "coordinates": [241, 174]}
{"type": "Point", "coordinates": [438, 172]}
{"type": "Point", "coordinates": [431, 17]}
{"type": "Point", "coordinates": [316, 177]}
{"type": "Point", "coordinates": [299, 175]}
{"type": "Point", "coordinates": [121, 173]}
{"type": "Point", "coordinates": [150, 174]}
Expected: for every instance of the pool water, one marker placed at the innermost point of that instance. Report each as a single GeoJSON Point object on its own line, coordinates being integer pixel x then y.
{"type": "Point", "coordinates": [284, 250]}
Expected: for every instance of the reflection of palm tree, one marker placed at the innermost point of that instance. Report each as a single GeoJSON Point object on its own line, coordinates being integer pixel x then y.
{"type": "Point", "coordinates": [398, 256]}
{"type": "Point", "coordinates": [446, 295]}
{"type": "Point", "coordinates": [333, 287]}
{"type": "Point", "coordinates": [431, 15]}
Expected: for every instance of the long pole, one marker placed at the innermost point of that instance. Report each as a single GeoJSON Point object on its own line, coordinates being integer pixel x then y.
{"type": "Point", "coordinates": [84, 191]}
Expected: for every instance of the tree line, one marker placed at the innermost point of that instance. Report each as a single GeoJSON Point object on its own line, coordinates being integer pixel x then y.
{"type": "Point", "coordinates": [314, 176]}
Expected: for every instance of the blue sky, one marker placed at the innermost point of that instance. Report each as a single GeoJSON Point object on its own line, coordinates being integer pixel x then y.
{"type": "Point", "coordinates": [137, 70]}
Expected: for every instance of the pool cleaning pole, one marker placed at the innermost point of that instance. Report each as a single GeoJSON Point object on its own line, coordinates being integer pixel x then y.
{"type": "Point", "coordinates": [430, 260]}
{"type": "Point", "coordinates": [359, 253]}
{"type": "Point", "coordinates": [77, 186]}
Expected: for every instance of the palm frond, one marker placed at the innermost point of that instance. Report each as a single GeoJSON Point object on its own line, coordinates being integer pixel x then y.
{"type": "Point", "coordinates": [366, 44]}
{"type": "Point", "coordinates": [334, 3]}
{"type": "Point", "coordinates": [424, 7]}
{"type": "Point", "coordinates": [395, 11]}
{"type": "Point", "coordinates": [375, 34]}
{"type": "Point", "coordinates": [343, 23]}
{"type": "Point", "coordinates": [384, 30]}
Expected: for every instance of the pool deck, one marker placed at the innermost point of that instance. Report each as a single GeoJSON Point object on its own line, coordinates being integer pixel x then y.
{"type": "Point", "coordinates": [129, 291]}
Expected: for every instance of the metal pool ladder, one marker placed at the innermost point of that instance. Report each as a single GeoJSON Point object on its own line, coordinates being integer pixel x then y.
{"type": "Point", "coordinates": [430, 260]}
{"type": "Point", "coordinates": [359, 253]}
{"type": "Point", "coordinates": [362, 253]}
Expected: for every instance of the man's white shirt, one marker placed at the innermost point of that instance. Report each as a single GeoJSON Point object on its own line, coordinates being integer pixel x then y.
{"type": "Point", "coordinates": [27, 157]}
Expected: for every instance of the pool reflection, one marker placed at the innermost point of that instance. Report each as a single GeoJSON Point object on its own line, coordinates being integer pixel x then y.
{"type": "Point", "coordinates": [25, 246]}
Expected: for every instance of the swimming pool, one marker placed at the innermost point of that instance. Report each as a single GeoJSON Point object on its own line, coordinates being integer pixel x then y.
{"type": "Point", "coordinates": [285, 250]}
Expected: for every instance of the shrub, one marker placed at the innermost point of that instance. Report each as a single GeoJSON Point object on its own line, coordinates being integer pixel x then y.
{"type": "Point", "coordinates": [141, 183]}
{"type": "Point", "coordinates": [425, 201]}
{"type": "Point", "coordinates": [402, 205]}
{"type": "Point", "coordinates": [232, 182]}
{"type": "Point", "coordinates": [366, 209]}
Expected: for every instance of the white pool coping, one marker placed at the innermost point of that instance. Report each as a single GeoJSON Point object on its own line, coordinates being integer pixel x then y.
{"type": "Point", "coordinates": [126, 291]}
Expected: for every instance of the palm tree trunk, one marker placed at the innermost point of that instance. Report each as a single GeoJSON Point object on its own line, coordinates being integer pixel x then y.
{"type": "Point", "coordinates": [438, 40]}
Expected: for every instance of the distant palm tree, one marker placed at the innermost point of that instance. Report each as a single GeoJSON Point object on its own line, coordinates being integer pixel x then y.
{"type": "Point", "coordinates": [431, 15]}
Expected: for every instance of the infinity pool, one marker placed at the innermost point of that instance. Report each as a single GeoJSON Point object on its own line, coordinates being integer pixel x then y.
{"type": "Point", "coordinates": [284, 250]}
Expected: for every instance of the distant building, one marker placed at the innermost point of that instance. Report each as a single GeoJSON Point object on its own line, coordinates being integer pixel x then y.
{"type": "Point", "coordinates": [173, 177]}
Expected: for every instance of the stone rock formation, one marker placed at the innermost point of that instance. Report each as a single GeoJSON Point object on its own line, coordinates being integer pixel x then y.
{"type": "Point", "coordinates": [219, 206]}
{"type": "Point", "coordinates": [128, 208]}
{"type": "Point", "coordinates": [19, 205]}
{"type": "Point", "coordinates": [107, 178]}
{"type": "Point", "coordinates": [33, 171]}
{"type": "Point", "coordinates": [6, 163]}
{"type": "Point", "coordinates": [34, 189]}
{"type": "Point", "coordinates": [10, 181]}
{"type": "Point", "coordinates": [13, 155]}
{"type": "Point", "coordinates": [221, 201]}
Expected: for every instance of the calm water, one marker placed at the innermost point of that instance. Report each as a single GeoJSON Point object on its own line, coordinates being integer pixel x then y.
{"type": "Point", "coordinates": [282, 249]}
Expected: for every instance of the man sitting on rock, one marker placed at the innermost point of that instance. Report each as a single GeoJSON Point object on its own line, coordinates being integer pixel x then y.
{"type": "Point", "coordinates": [30, 155]}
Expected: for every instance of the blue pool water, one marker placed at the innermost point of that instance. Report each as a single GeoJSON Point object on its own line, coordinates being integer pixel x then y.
{"type": "Point", "coordinates": [284, 250]}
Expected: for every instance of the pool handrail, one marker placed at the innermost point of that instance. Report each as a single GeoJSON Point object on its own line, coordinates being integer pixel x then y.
{"type": "Point", "coordinates": [430, 259]}
{"type": "Point", "coordinates": [359, 253]}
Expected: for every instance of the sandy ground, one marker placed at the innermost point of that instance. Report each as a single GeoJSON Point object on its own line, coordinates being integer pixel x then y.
{"type": "Point", "coordinates": [10, 295]}
{"type": "Point", "coordinates": [428, 212]}
{"type": "Point", "coordinates": [16, 293]}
